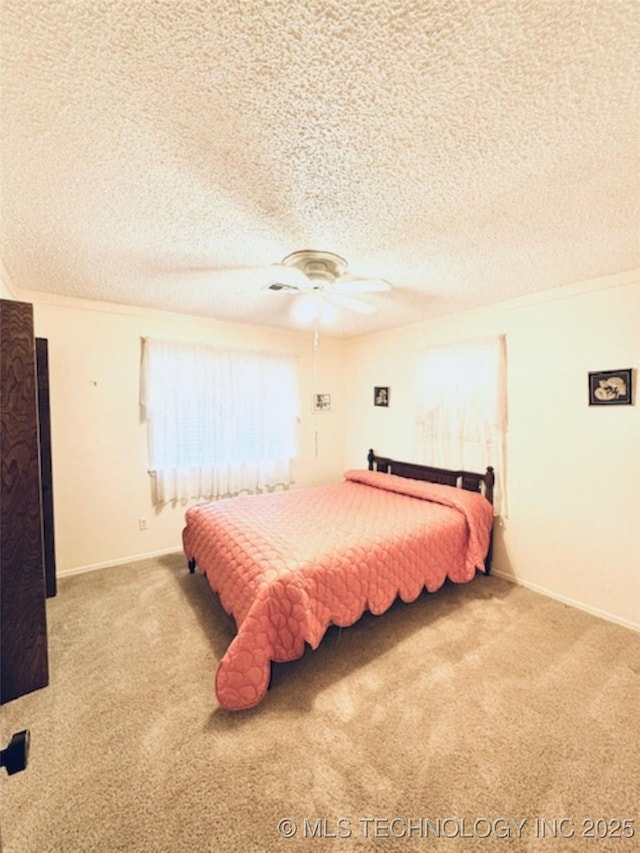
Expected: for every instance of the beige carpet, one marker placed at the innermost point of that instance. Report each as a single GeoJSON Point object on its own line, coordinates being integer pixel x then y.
{"type": "Point", "coordinates": [459, 722]}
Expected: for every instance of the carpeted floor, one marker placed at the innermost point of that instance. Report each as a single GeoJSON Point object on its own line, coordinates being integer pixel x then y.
{"type": "Point", "coordinates": [482, 717]}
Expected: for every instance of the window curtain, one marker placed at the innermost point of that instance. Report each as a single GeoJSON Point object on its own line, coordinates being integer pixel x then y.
{"type": "Point", "coordinates": [219, 422]}
{"type": "Point", "coordinates": [462, 416]}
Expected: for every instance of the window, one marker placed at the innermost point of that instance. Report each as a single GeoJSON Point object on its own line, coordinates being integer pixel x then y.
{"type": "Point", "coordinates": [462, 417]}
{"type": "Point", "coordinates": [219, 421]}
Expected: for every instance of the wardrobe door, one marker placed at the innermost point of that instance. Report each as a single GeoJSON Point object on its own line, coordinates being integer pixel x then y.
{"type": "Point", "coordinates": [23, 628]}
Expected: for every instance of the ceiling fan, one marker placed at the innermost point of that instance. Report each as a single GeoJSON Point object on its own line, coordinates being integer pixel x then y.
{"type": "Point", "coordinates": [324, 275]}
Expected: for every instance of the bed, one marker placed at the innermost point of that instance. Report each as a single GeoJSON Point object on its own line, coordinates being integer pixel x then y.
{"type": "Point", "coordinates": [289, 564]}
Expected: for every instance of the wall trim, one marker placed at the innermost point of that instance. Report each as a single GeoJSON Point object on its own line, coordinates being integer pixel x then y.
{"type": "Point", "coordinates": [624, 278]}
{"type": "Point", "coordinates": [94, 567]}
{"type": "Point", "coordinates": [579, 605]}
{"type": "Point", "coordinates": [121, 309]}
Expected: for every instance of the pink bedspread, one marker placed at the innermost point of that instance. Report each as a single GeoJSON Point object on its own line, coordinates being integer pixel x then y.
{"type": "Point", "coordinates": [288, 564]}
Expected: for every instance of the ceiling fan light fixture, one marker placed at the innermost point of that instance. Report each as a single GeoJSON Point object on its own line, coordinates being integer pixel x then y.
{"type": "Point", "coordinates": [313, 308]}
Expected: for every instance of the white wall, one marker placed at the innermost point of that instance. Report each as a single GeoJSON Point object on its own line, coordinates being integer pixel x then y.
{"type": "Point", "coordinates": [574, 470]}
{"type": "Point", "coordinates": [573, 474]}
{"type": "Point", "coordinates": [6, 289]}
{"type": "Point", "coordinates": [100, 482]}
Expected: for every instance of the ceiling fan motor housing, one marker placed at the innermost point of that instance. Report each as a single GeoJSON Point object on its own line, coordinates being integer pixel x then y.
{"type": "Point", "coordinates": [323, 267]}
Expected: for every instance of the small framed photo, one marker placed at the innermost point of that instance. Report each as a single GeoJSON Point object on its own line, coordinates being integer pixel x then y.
{"type": "Point", "coordinates": [381, 395]}
{"type": "Point", "coordinates": [610, 388]}
{"type": "Point", "coordinates": [322, 402]}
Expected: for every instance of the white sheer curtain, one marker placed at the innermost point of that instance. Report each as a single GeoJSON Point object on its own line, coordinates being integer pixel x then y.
{"type": "Point", "coordinates": [462, 416]}
{"type": "Point", "coordinates": [220, 421]}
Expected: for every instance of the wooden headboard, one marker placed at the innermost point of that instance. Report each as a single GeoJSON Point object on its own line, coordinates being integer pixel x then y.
{"type": "Point", "coordinates": [473, 482]}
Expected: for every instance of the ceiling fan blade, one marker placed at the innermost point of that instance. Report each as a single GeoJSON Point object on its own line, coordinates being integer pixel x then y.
{"type": "Point", "coordinates": [243, 276]}
{"type": "Point", "coordinates": [291, 276]}
{"type": "Point", "coordinates": [283, 287]}
{"type": "Point", "coordinates": [353, 284]}
{"type": "Point", "coordinates": [282, 279]}
{"type": "Point", "coordinates": [351, 304]}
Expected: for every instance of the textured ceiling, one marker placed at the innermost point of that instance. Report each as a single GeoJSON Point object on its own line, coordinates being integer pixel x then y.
{"type": "Point", "coordinates": [467, 152]}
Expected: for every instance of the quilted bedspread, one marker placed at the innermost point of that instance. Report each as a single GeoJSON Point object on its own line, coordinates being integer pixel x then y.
{"type": "Point", "coordinates": [287, 565]}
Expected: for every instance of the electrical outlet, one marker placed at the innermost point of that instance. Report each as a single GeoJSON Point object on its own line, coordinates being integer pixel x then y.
{"type": "Point", "coordinates": [142, 523]}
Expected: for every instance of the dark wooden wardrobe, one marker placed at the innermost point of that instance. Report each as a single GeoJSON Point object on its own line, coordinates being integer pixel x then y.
{"type": "Point", "coordinates": [26, 504]}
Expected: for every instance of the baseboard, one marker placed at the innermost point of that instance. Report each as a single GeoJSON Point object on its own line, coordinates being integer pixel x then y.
{"type": "Point", "coordinates": [594, 611]}
{"type": "Point", "coordinates": [93, 567]}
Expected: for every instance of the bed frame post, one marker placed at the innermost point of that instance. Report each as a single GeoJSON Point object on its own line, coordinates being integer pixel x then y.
{"type": "Point", "coordinates": [489, 557]}
{"type": "Point", "coordinates": [370, 458]}
{"type": "Point", "coordinates": [489, 480]}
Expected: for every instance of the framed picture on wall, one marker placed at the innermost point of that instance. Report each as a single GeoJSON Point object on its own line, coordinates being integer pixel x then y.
{"type": "Point", "coordinates": [322, 402]}
{"type": "Point", "coordinates": [381, 395]}
{"type": "Point", "coordinates": [610, 388]}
